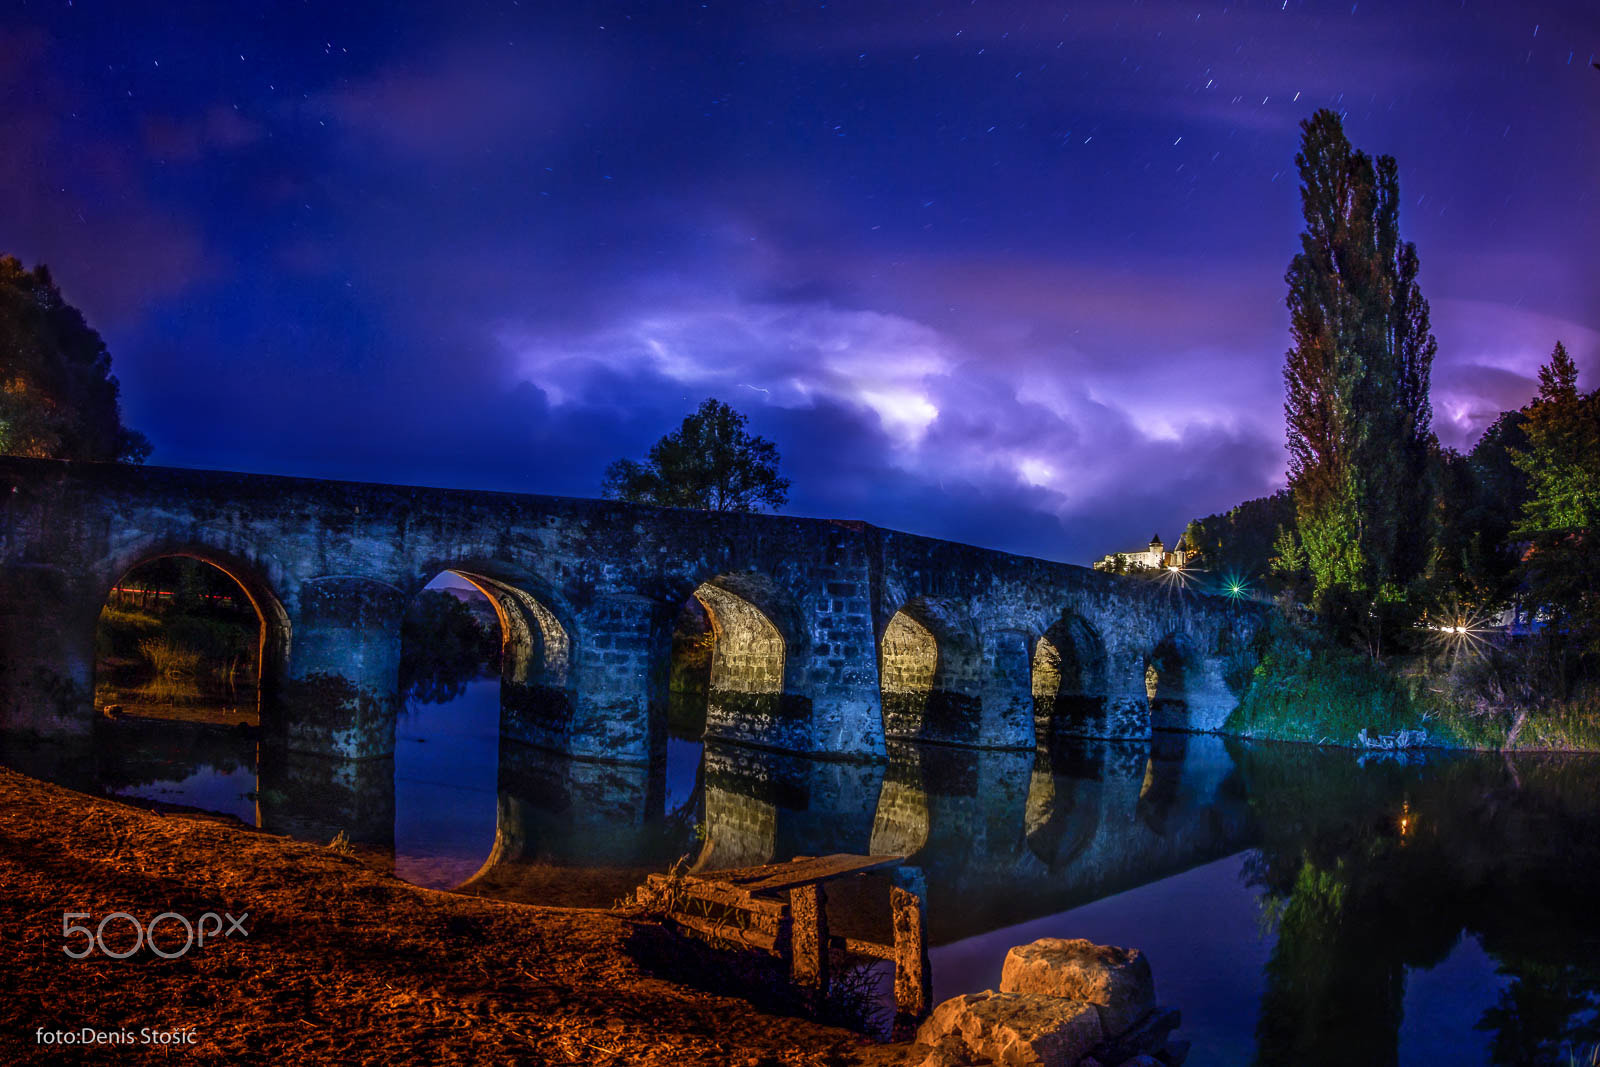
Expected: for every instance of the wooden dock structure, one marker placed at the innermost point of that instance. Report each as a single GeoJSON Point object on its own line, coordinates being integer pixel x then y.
{"type": "Point", "coordinates": [782, 908]}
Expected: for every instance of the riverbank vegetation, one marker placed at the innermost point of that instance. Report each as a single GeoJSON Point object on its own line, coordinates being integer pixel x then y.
{"type": "Point", "coordinates": [178, 639]}
{"type": "Point", "coordinates": [1419, 588]}
{"type": "Point", "coordinates": [1309, 687]}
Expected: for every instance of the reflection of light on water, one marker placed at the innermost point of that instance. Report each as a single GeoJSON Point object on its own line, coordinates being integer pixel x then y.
{"type": "Point", "coordinates": [208, 788]}
{"type": "Point", "coordinates": [683, 767]}
{"type": "Point", "coordinates": [446, 770]}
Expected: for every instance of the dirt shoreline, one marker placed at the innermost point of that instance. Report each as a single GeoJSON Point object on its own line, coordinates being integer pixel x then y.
{"type": "Point", "coordinates": [342, 963]}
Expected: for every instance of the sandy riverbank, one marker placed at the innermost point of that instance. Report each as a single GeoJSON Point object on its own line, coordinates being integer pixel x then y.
{"type": "Point", "coordinates": [342, 962]}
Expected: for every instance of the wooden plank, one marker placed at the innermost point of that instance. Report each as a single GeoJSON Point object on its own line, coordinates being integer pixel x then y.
{"type": "Point", "coordinates": [782, 877]}
{"type": "Point", "coordinates": [731, 897]}
{"type": "Point", "coordinates": [913, 978]}
{"type": "Point", "coordinates": [808, 960]}
{"type": "Point", "coordinates": [858, 947]}
{"type": "Point", "coordinates": [727, 895]}
{"type": "Point", "coordinates": [723, 932]}
{"type": "Point", "coordinates": [732, 916]}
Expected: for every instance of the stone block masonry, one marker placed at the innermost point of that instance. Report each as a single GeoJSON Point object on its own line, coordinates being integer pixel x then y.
{"type": "Point", "coordinates": [830, 637]}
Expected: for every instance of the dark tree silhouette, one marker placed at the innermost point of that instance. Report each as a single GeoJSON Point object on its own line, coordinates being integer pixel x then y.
{"type": "Point", "coordinates": [443, 648]}
{"type": "Point", "coordinates": [711, 462]}
{"type": "Point", "coordinates": [58, 399]}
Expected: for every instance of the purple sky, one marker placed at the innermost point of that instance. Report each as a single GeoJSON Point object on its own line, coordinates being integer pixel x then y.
{"type": "Point", "coordinates": [1006, 272]}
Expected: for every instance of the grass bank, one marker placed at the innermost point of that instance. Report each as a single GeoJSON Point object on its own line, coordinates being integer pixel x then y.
{"type": "Point", "coordinates": [1307, 689]}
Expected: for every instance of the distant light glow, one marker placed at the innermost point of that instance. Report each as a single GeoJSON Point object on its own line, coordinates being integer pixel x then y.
{"type": "Point", "coordinates": [1459, 632]}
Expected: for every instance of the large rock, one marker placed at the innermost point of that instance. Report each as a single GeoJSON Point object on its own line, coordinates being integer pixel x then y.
{"type": "Point", "coordinates": [1116, 980]}
{"type": "Point", "coordinates": [1149, 1037]}
{"type": "Point", "coordinates": [1007, 1029]}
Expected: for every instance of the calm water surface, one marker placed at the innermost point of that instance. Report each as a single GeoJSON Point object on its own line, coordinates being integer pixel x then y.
{"type": "Point", "coordinates": [1300, 906]}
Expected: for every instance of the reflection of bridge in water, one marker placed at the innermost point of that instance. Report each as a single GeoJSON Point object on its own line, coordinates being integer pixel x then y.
{"type": "Point", "coordinates": [994, 838]}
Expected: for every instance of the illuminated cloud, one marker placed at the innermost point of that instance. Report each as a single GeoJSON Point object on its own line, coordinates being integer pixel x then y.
{"type": "Point", "coordinates": [1020, 285]}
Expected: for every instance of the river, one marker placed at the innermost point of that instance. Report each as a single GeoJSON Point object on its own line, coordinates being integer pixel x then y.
{"type": "Point", "coordinates": [1299, 905]}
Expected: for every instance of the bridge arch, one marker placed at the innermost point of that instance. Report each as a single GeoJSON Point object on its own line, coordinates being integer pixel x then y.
{"type": "Point", "coordinates": [272, 620]}
{"type": "Point", "coordinates": [1070, 680]}
{"type": "Point", "coordinates": [1169, 669]}
{"type": "Point", "coordinates": [930, 669]}
{"type": "Point", "coordinates": [536, 654]}
{"type": "Point", "coordinates": [738, 641]}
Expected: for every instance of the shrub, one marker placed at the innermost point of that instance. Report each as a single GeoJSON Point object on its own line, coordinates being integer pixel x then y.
{"type": "Point", "coordinates": [168, 658]}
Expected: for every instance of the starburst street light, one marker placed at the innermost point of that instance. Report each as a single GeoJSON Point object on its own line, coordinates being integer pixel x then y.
{"type": "Point", "coordinates": [1235, 587]}
{"type": "Point", "coordinates": [1458, 631]}
{"type": "Point", "coordinates": [1175, 580]}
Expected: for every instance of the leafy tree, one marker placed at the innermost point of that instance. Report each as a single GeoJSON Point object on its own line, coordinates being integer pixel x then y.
{"type": "Point", "coordinates": [1288, 560]}
{"type": "Point", "coordinates": [1501, 491]}
{"type": "Point", "coordinates": [1239, 542]}
{"type": "Point", "coordinates": [1356, 379]}
{"type": "Point", "coordinates": [57, 396]}
{"type": "Point", "coordinates": [1562, 463]}
{"type": "Point", "coordinates": [1478, 500]}
{"type": "Point", "coordinates": [711, 462]}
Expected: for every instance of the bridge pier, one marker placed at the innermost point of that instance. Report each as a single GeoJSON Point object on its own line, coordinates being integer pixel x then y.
{"type": "Point", "coordinates": [46, 658]}
{"type": "Point", "coordinates": [535, 668]}
{"type": "Point", "coordinates": [839, 673]}
{"type": "Point", "coordinates": [1006, 692]}
{"type": "Point", "coordinates": [343, 690]}
{"type": "Point", "coordinates": [618, 684]}
{"type": "Point", "coordinates": [1127, 699]}
{"type": "Point", "coordinates": [316, 797]}
{"type": "Point", "coordinates": [1207, 695]}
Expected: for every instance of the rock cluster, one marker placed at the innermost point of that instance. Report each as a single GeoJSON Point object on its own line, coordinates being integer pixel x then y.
{"type": "Point", "coordinates": [1061, 1004]}
{"type": "Point", "coordinates": [1392, 742]}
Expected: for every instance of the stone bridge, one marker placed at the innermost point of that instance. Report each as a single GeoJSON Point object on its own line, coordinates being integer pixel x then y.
{"type": "Point", "coordinates": [829, 638]}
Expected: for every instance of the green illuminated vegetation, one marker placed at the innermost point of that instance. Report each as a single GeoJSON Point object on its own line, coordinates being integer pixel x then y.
{"type": "Point", "coordinates": [1419, 588]}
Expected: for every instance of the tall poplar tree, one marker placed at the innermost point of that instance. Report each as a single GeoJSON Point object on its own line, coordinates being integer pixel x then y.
{"type": "Point", "coordinates": [1356, 378]}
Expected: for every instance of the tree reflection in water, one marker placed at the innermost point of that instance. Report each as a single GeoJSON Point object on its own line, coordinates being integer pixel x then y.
{"type": "Point", "coordinates": [1382, 869]}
